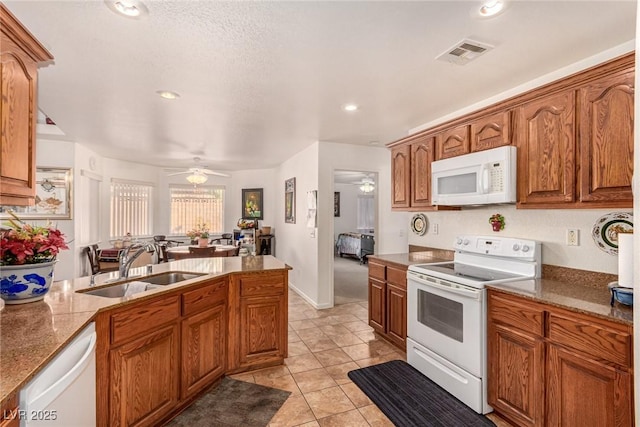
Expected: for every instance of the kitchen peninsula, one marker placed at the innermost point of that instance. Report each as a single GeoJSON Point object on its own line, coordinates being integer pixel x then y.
{"type": "Point", "coordinates": [231, 318]}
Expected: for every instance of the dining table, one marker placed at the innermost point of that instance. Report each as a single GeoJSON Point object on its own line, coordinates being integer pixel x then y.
{"type": "Point", "coordinates": [221, 250]}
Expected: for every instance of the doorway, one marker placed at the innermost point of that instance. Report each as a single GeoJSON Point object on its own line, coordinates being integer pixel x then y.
{"type": "Point", "coordinates": [354, 225]}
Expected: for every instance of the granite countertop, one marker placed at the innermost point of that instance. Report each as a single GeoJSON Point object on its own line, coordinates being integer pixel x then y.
{"type": "Point", "coordinates": [592, 300]}
{"type": "Point", "coordinates": [31, 334]}
{"type": "Point", "coordinates": [410, 258]}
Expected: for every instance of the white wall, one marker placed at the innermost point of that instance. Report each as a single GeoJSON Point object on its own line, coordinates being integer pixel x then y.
{"type": "Point", "coordinates": [391, 226]}
{"type": "Point", "coordinates": [254, 178]}
{"type": "Point", "coordinates": [295, 244]}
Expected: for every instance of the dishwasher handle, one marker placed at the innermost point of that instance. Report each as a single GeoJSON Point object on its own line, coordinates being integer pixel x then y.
{"type": "Point", "coordinates": [40, 402]}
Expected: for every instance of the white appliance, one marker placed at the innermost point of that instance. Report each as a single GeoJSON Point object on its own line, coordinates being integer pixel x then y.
{"type": "Point", "coordinates": [64, 392]}
{"type": "Point", "coordinates": [480, 178]}
{"type": "Point", "coordinates": [447, 309]}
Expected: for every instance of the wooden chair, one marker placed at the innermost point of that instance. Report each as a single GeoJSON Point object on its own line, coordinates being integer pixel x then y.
{"type": "Point", "coordinates": [227, 237]}
{"type": "Point", "coordinates": [201, 252]}
{"type": "Point", "coordinates": [92, 255]}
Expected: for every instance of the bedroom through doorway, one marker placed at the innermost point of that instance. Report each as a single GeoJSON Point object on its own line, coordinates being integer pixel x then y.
{"type": "Point", "coordinates": [354, 225]}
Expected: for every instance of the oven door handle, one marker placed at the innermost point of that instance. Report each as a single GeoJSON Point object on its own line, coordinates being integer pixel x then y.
{"type": "Point", "coordinates": [469, 293]}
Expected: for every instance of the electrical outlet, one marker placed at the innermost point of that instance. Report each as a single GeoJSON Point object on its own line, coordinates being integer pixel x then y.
{"type": "Point", "coordinates": [434, 228]}
{"type": "Point", "coordinates": [573, 237]}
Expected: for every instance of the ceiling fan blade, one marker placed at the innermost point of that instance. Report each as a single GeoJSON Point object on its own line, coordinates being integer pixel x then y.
{"type": "Point", "coordinates": [210, 172]}
{"type": "Point", "coordinates": [178, 173]}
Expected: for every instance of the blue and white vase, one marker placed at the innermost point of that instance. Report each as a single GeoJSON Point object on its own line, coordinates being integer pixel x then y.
{"type": "Point", "coordinates": [24, 283]}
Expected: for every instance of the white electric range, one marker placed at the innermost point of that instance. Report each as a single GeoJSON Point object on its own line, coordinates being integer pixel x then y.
{"type": "Point", "coordinates": [447, 308]}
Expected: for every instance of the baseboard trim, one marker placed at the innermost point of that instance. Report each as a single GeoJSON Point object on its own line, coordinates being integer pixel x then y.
{"type": "Point", "coordinates": [308, 299]}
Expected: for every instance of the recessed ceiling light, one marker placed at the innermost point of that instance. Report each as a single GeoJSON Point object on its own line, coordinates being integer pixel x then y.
{"type": "Point", "coordinates": [350, 107]}
{"type": "Point", "coordinates": [128, 8]}
{"type": "Point", "coordinates": [167, 94]}
{"type": "Point", "coordinates": [491, 7]}
{"type": "Point", "coordinates": [374, 143]}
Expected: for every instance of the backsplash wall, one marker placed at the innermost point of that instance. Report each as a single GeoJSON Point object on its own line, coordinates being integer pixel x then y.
{"type": "Point", "coordinates": [546, 225]}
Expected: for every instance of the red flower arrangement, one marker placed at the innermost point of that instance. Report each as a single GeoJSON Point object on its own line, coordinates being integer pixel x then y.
{"type": "Point", "coordinates": [28, 244]}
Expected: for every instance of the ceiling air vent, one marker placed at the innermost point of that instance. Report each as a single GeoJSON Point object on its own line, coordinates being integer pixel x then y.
{"type": "Point", "coordinates": [464, 51]}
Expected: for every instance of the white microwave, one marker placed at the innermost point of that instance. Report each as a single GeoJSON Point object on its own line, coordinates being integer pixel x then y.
{"type": "Point", "coordinates": [481, 178]}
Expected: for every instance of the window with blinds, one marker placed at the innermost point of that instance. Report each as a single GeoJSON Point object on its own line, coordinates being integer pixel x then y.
{"type": "Point", "coordinates": [130, 208]}
{"type": "Point", "coordinates": [366, 213]}
{"type": "Point", "coordinates": [191, 206]}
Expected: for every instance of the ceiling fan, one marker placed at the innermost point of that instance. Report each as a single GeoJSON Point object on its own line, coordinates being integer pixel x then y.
{"type": "Point", "coordinates": [366, 184]}
{"type": "Point", "coordinates": [198, 175]}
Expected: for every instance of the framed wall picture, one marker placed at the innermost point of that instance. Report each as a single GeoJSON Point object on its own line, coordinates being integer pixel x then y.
{"type": "Point", "coordinates": [290, 201]}
{"type": "Point", "coordinates": [252, 203]}
{"type": "Point", "coordinates": [53, 196]}
{"type": "Point", "coordinates": [336, 203]}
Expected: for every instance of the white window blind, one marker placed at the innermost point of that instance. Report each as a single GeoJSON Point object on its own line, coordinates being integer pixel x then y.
{"type": "Point", "coordinates": [130, 208]}
{"type": "Point", "coordinates": [191, 206]}
{"type": "Point", "coordinates": [366, 214]}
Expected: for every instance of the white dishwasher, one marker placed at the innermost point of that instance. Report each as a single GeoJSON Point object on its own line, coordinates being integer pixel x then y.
{"type": "Point", "coordinates": [64, 392]}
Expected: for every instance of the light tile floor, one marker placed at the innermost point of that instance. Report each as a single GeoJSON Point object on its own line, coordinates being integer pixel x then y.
{"type": "Point", "coordinates": [324, 345]}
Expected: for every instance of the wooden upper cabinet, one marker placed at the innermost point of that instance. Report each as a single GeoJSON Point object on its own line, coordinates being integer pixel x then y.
{"type": "Point", "coordinates": [606, 140]}
{"type": "Point", "coordinates": [422, 154]}
{"type": "Point", "coordinates": [20, 54]}
{"type": "Point", "coordinates": [400, 176]}
{"type": "Point", "coordinates": [546, 150]}
{"type": "Point", "coordinates": [491, 131]}
{"type": "Point", "coordinates": [453, 142]}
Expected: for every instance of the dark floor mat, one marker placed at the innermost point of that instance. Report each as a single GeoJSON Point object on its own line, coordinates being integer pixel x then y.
{"type": "Point", "coordinates": [233, 403]}
{"type": "Point", "coordinates": [408, 398]}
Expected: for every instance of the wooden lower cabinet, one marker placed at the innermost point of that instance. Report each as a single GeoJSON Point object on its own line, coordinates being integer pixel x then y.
{"type": "Point", "coordinates": [257, 339]}
{"type": "Point", "coordinates": [9, 417]}
{"type": "Point", "coordinates": [260, 320]}
{"type": "Point", "coordinates": [516, 369]}
{"type": "Point", "coordinates": [549, 366]}
{"type": "Point", "coordinates": [155, 356]}
{"type": "Point", "coordinates": [583, 392]}
{"type": "Point", "coordinates": [203, 349]}
{"type": "Point", "coordinates": [144, 378]}
{"type": "Point", "coordinates": [377, 305]}
{"type": "Point", "coordinates": [388, 301]}
{"type": "Point", "coordinates": [397, 315]}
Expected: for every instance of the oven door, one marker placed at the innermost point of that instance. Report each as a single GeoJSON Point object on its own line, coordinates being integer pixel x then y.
{"type": "Point", "coordinates": [448, 319]}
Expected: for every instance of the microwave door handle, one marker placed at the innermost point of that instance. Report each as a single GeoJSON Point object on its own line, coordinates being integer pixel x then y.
{"type": "Point", "coordinates": [484, 188]}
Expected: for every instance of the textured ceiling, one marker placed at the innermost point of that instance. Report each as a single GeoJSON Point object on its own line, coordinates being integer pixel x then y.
{"type": "Point", "coordinates": [260, 81]}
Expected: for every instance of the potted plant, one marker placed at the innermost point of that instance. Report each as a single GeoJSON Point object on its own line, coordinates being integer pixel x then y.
{"type": "Point", "coordinates": [27, 259]}
{"type": "Point", "coordinates": [497, 222]}
{"type": "Point", "coordinates": [199, 235]}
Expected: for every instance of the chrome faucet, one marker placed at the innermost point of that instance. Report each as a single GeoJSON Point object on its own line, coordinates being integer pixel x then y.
{"type": "Point", "coordinates": [126, 260]}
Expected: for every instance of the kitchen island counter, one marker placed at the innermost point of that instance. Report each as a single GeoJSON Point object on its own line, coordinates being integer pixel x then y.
{"type": "Point", "coordinates": [32, 334]}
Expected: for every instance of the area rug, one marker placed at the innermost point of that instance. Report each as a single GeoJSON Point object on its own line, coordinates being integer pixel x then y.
{"type": "Point", "coordinates": [233, 403]}
{"type": "Point", "coordinates": [408, 398]}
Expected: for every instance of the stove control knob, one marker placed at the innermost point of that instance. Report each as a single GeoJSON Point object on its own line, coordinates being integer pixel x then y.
{"type": "Point", "coordinates": [516, 247]}
{"type": "Point", "coordinates": [525, 248]}
{"type": "Point", "coordinates": [465, 242]}
{"type": "Point", "coordinates": [459, 241]}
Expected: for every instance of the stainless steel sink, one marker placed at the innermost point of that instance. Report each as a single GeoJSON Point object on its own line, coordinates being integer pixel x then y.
{"type": "Point", "coordinates": [142, 284]}
{"type": "Point", "coordinates": [121, 290]}
{"type": "Point", "coordinates": [169, 278]}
